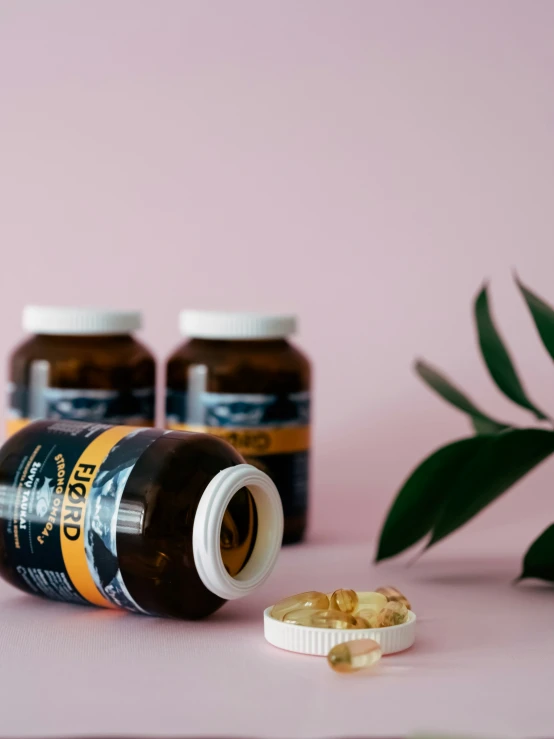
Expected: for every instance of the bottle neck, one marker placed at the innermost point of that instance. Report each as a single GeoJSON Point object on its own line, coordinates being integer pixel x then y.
{"type": "Point", "coordinates": [207, 531]}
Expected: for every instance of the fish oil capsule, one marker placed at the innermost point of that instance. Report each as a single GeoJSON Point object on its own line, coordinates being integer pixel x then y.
{"type": "Point", "coordinates": [311, 599]}
{"type": "Point", "coordinates": [361, 622]}
{"type": "Point", "coordinates": [301, 617]}
{"type": "Point", "coordinates": [370, 616]}
{"type": "Point", "coordinates": [344, 600]}
{"type": "Point", "coordinates": [395, 595]}
{"type": "Point", "coordinates": [392, 614]}
{"type": "Point", "coordinates": [333, 620]}
{"type": "Point", "coordinates": [371, 599]}
{"type": "Point", "coordinates": [154, 522]}
{"type": "Point", "coordinates": [352, 656]}
{"type": "Point", "coordinates": [370, 607]}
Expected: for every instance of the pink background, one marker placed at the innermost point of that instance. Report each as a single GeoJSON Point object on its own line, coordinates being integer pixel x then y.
{"type": "Point", "coordinates": [365, 164]}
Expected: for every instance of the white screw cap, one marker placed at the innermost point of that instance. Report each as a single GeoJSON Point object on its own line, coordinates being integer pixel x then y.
{"type": "Point", "coordinates": [41, 319]}
{"type": "Point", "coordinates": [199, 324]}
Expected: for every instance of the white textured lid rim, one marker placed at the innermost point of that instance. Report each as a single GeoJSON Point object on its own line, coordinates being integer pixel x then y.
{"type": "Point", "coordinates": [200, 324]}
{"type": "Point", "coordinates": [42, 319]}
{"type": "Point", "coordinates": [206, 531]}
{"type": "Point", "coordinates": [318, 641]}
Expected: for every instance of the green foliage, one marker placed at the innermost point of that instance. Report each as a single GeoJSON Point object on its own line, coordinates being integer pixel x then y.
{"type": "Point", "coordinates": [459, 480]}
{"type": "Point", "coordinates": [539, 561]}
{"type": "Point", "coordinates": [543, 315]}
{"type": "Point", "coordinates": [482, 423]}
{"type": "Point", "coordinates": [493, 468]}
{"type": "Point", "coordinates": [414, 512]}
{"type": "Point", "coordinates": [496, 357]}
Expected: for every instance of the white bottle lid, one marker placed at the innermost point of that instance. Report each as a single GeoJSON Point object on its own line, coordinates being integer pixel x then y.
{"type": "Point", "coordinates": [200, 324]}
{"type": "Point", "coordinates": [206, 531]}
{"type": "Point", "coordinates": [318, 641]}
{"type": "Point", "coordinates": [42, 319]}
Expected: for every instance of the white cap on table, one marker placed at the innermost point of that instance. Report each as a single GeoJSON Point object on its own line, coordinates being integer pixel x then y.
{"type": "Point", "coordinates": [320, 641]}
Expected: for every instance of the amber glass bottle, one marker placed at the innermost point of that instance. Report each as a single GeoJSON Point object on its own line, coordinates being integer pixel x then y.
{"type": "Point", "coordinates": [238, 377]}
{"type": "Point", "coordinates": [81, 364]}
{"type": "Point", "coordinates": [157, 522]}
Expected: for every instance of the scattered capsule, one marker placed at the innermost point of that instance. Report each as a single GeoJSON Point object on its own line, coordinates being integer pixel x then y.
{"type": "Point", "coordinates": [392, 614]}
{"type": "Point", "coordinates": [371, 599]}
{"type": "Point", "coordinates": [395, 595]}
{"type": "Point", "coordinates": [300, 617]}
{"type": "Point", "coordinates": [351, 656]}
{"type": "Point", "coordinates": [333, 620]}
{"type": "Point", "coordinates": [311, 599]}
{"type": "Point", "coordinates": [370, 616]}
{"type": "Point", "coordinates": [344, 600]}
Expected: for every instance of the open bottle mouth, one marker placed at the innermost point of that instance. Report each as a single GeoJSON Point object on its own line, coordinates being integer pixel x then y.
{"type": "Point", "coordinates": [248, 498]}
{"type": "Point", "coordinates": [239, 530]}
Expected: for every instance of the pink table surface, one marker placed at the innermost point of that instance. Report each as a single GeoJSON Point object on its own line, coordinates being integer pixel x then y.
{"type": "Point", "coordinates": [483, 662]}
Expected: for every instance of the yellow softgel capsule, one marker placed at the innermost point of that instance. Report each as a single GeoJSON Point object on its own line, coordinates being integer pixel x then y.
{"type": "Point", "coordinates": [300, 617]}
{"type": "Point", "coordinates": [311, 599]}
{"type": "Point", "coordinates": [361, 622]}
{"type": "Point", "coordinates": [344, 600]}
{"type": "Point", "coordinates": [395, 595]}
{"type": "Point", "coordinates": [352, 656]}
{"type": "Point", "coordinates": [371, 599]}
{"type": "Point", "coordinates": [333, 619]}
{"type": "Point", "coordinates": [370, 616]}
{"type": "Point", "coordinates": [392, 614]}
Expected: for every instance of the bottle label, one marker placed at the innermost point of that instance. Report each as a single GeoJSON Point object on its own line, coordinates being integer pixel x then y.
{"type": "Point", "coordinates": [271, 432]}
{"type": "Point", "coordinates": [59, 504]}
{"type": "Point", "coordinates": [25, 404]}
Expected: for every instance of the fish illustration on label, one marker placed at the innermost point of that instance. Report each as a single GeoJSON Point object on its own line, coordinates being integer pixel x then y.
{"type": "Point", "coordinates": [44, 497]}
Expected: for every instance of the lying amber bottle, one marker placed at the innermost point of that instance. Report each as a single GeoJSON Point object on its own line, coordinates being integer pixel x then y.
{"type": "Point", "coordinates": [238, 377]}
{"type": "Point", "coordinates": [157, 522]}
{"type": "Point", "coordinates": [81, 364]}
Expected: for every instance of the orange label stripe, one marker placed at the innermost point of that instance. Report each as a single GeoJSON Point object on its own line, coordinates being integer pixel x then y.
{"type": "Point", "coordinates": [13, 425]}
{"type": "Point", "coordinates": [258, 441]}
{"type": "Point", "coordinates": [72, 526]}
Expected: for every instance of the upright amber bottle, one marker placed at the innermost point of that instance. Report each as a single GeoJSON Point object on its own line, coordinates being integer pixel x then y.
{"type": "Point", "coordinates": [158, 522]}
{"type": "Point", "coordinates": [238, 377]}
{"type": "Point", "coordinates": [81, 364]}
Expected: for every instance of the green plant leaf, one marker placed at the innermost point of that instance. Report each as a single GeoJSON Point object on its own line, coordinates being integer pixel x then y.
{"type": "Point", "coordinates": [539, 559]}
{"type": "Point", "coordinates": [488, 426]}
{"type": "Point", "coordinates": [420, 499]}
{"type": "Point", "coordinates": [543, 315]}
{"type": "Point", "coordinates": [497, 358]}
{"type": "Point", "coordinates": [496, 465]}
{"type": "Point", "coordinates": [441, 384]}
